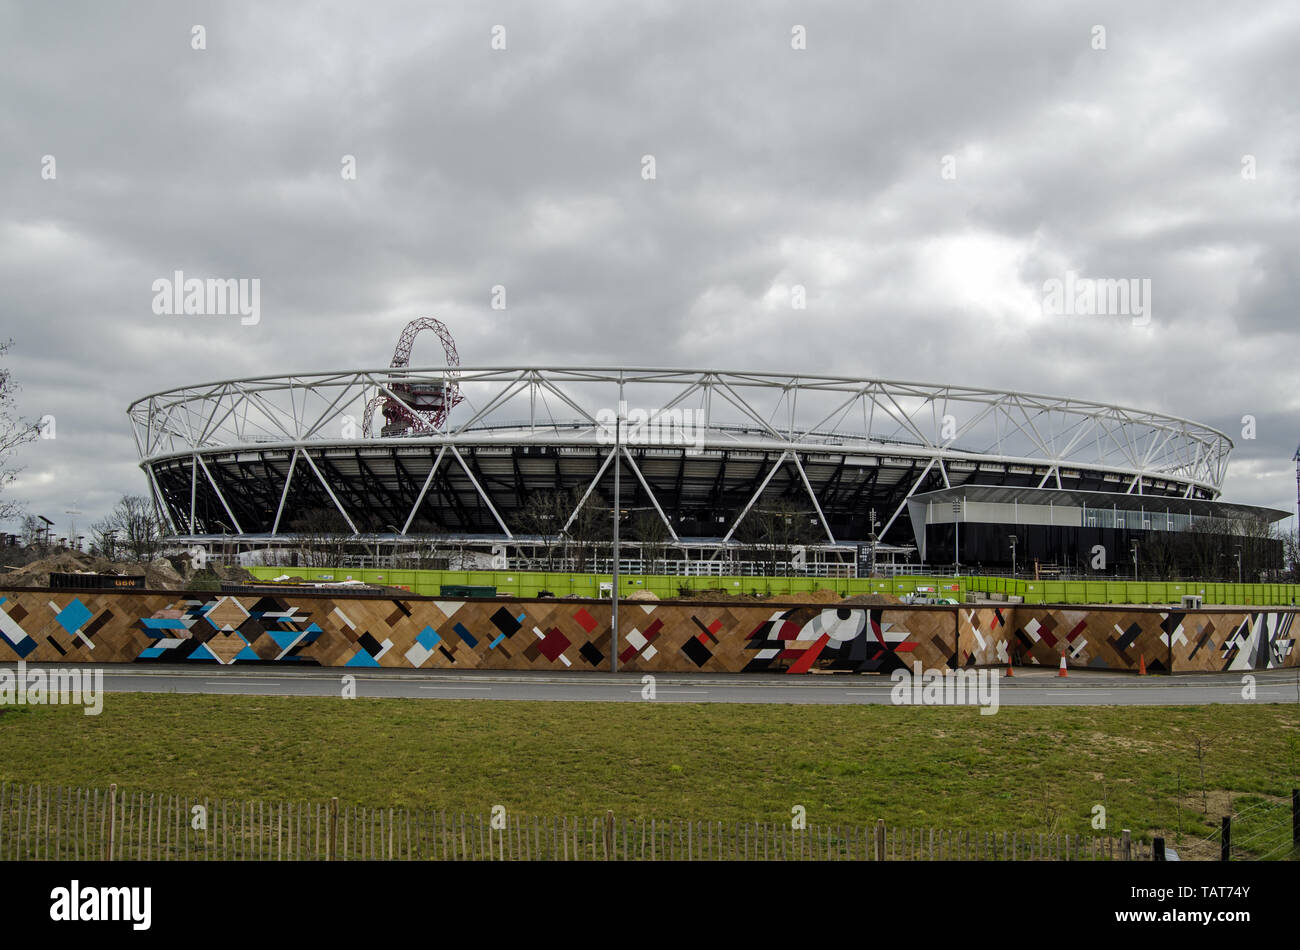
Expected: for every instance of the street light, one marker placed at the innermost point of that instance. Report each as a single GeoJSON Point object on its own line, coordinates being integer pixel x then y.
{"type": "Point", "coordinates": [956, 528]}
{"type": "Point", "coordinates": [1135, 559]}
{"type": "Point", "coordinates": [1238, 563]}
{"type": "Point", "coordinates": [613, 610]}
{"type": "Point", "coordinates": [1011, 538]}
{"type": "Point", "coordinates": [874, 541]}
{"type": "Point", "coordinates": [396, 531]}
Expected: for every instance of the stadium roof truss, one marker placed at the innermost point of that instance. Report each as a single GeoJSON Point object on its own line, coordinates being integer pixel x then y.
{"type": "Point", "coordinates": [935, 436]}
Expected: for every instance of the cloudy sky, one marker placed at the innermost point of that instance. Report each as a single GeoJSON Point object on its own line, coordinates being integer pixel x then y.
{"type": "Point", "coordinates": [921, 168]}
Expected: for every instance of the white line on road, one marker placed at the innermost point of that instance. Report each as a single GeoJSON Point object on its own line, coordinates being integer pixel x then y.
{"type": "Point", "coordinates": [485, 689]}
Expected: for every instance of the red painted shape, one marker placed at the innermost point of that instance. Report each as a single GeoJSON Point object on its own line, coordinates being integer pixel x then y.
{"type": "Point", "coordinates": [586, 620]}
{"type": "Point", "coordinates": [553, 644]}
{"type": "Point", "coordinates": [805, 662]}
{"type": "Point", "coordinates": [787, 631]}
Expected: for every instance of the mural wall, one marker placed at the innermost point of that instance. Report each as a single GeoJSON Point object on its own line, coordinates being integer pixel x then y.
{"type": "Point", "coordinates": [331, 630]}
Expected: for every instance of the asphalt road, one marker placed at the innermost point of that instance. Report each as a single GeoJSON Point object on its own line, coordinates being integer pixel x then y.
{"type": "Point", "coordinates": [1029, 687]}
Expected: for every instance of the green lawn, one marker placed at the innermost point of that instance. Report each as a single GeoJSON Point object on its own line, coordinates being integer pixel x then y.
{"type": "Point", "coordinates": [1026, 769]}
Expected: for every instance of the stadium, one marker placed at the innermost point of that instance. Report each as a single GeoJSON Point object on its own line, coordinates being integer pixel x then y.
{"type": "Point", "coordinates": [717, 472]}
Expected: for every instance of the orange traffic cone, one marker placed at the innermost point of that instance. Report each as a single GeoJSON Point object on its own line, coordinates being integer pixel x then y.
{"type": "Point", "coordinates": [1009, 673]}
{"type": "Point", "coordinates": [1063, 671]}
{"type": "Point", "coordinates": [1142, 664]}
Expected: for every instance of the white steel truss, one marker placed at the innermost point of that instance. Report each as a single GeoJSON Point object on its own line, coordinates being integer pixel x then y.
{"type": "Point", "coordinates": [787, 418]}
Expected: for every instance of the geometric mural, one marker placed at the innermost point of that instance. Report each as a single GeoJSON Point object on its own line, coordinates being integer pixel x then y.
{"type": "Point", "coordinates": [552, 634]}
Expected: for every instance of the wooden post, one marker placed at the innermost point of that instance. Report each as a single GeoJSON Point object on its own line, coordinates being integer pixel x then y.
{"type": "Point", "coordinates": [609, 832]}
{"type": "Point", "coordinates": [1125, 846]}
{"type": "Point", "coordinates": [1295, 817]}
{"type": "Point", "coordinates": [880, 839]}
{"type": "Point", "coordinates": [333, 853]}
{"type": "Point", "coordinates": [1158, 849]}
{"type": "Point", "coordinates": [1225, 839]}
{"type": "Point", "coordinates": [112, 819]}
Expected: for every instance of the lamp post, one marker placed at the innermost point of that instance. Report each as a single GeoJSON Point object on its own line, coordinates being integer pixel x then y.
{"type": "Point", "coordinates": [613, 594]}
{"type": "Point", "coordinates": [1135, 559]}
{"type": "Point", "coordinates": [396, 532]}
{"type": "Point", "coordinates": [1238, 563]}
{"type": "Point", "coordinates": [874, 541]}
{"type": "Point", "coordinates": [1011, 539]}
{"type": "Point", "coordinates": [956, 528]}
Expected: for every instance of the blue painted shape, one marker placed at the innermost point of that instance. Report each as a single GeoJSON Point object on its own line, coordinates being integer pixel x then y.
{"type": "Point", "coordinates": [163, 623]}
{"type": "Point", "coordinates": [201, 652]}
{"type": "Point", "coordinates": [428, 638]}
{"type": "Point", "coordinates": [465, 634]}
{"type": "Point", "coordinates": [74, 616]}
{"type": "Point", "coordinates": [520, 618]}
{"type": "Point", "coordinates": [283, 638]}
{"type": "Point", "coordinates": [248, 653]}
{"type": "Point", "coordinates": [493, 644]}
{"type": "Point", "coordinates": [151, 652]}
{"type": "Point", "coordinates": [362, 659]}
{"type": "Point", "coordinates": [23, 647]}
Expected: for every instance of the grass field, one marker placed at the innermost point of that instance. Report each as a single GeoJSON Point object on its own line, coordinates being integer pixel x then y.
{"type": "Point", "coordinates": [1029, 769]}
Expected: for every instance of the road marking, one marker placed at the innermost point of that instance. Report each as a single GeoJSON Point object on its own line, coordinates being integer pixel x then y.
{"type": "Point", "coordinates": [485, 689]}
{"type": "Point", "coordinates": [240, 683]}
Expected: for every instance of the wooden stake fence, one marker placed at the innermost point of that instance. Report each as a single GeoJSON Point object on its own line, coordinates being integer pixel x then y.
{"type": "Point", "coordinates": [59, 823]}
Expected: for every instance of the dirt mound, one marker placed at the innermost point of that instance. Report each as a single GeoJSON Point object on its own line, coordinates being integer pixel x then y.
{"type": "Point", "coordinates": [870, 600]}
{"type": "Point", "coordinates": [758, 595]}
{"type": "Point", "coordinates": [163, 573]}
{"type": "Point", "coordinates": [160, 574]}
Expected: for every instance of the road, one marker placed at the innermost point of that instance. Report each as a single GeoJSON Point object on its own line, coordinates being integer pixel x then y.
{"type": "Point", "coordinates": [1029, 687]}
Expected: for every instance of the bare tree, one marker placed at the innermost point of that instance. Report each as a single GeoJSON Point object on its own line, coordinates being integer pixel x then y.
{"type": "Point", "coordinates": [1291, 555]}
{"type": "Point", "coordinates": [590, 531]}
{"type": "Point", "coordinates": [650, 530]}
{"type": "Point", "coordinates": [323, 536]}
{"type": "Point", "coordinates": [135, 526]}
{"type": "Point", "coordinates": [542, 517]}
{"type": "Point", "coordinates": [14, 433]}
{"type": "Point", "coordinates": [772, 532]}
{"type": "Point", "coordinates": [104, 540]}
{"type": "Point", "coordinates": [428, 548]}
{"type": "Point", "coordinates": [33, 533]}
